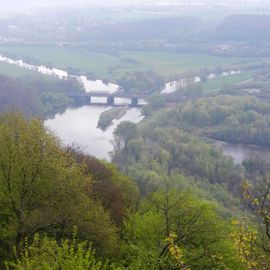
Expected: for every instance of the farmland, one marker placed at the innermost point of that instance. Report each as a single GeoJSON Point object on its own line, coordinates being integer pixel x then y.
{"type": "Point", "coordinates": [17, 72]}
{"type": "Point", "coordinates": [217, 83]}
{"type": "Point", "coordinates": [113, 66]}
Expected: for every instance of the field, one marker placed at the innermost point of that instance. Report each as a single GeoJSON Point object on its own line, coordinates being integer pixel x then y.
{"type": "Point", "coordinates": [212, 14]}
{"type": "Point", "coordinates": [64, 58]}
{"type": "Point", "coordinates": [113, 66]}
{"type": "Point", "coordinates": [136, 15]}
{"type": "Point", "coordinates": [217, 83]}
{"type": "Point", "coordinates": [174, 63]}
{"type": "Point", "coordinates": [17, 72]}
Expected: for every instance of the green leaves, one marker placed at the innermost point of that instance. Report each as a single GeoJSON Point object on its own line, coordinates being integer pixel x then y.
{"type": "Point", "coordinates": [200, 237]}
{"type": "Point", "coordinates": [46, 253]}
{"type": "Point", "coordinates": [43, 189]}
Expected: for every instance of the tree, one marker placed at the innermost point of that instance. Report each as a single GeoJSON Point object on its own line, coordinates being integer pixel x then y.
{"type": "Point", "coordinates": [42, 188]}
{"type": "Point", "coordinates": [193, 90]}
{"type": "Point", "coordinates": [175, 230]}
{"type": "Point", "coordinates": [36, 96]}
{"type": "Point", "coordinates": [157, 101]}
{"type": "Point", "coordinates": [245, 237]}
{"type": "Point", "coordinates": [256, 165]}
{"type": "Point", "coordinates": [141, 82]}
{"type": "Point", "coordinates": [124, 132]}
{"type": "Point", "coordinates": [257, 199]}
{"type": "Point", "coordinates": [252, 236]}
{"type": "Point", "coordinates": [47, 253]}
{"type": "Point", "coordinates": [117, 192]}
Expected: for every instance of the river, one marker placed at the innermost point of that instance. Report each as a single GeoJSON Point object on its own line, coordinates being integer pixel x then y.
{"type": "Point", "coordinates": [239, 152]}
{"type": "Point", "coordinates": [78, 126]}
{"type": "Point", "coordinates": [173, 86]}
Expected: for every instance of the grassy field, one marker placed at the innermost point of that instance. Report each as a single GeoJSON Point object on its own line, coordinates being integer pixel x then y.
{"type": "Point", "coordinates": [217, 83]}
{"type": "Point", "coordinates": [111, 67]}
{"type": "Point", "coordinates": [213, 14]}
{"type": "Point", "coordinates": [175, 63]}
{"type": "Point", "coordinates": [63, 58]}
{"type": "Point", "coordinates": [17, 72]}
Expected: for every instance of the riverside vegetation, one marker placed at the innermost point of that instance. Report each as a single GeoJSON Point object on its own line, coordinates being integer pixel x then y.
{"type": "Point", "coordinates": [107, 117]}
{"type": "Point", "coordinates": [36, 95]}
{"type": "Point", "coordinates": [169, 200]}
{"type": "Point", "coordinates": [174, 201]}
{"type": "Point", "coordinates": [63, 209]}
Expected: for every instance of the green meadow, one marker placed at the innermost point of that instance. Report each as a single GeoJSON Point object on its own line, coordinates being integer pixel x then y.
{"type": "Point", "coordinates": [17, 72]}
{"type": "Point", "coordinates": [113, 66]}
{"type": "Point", "coordinates": [216, 83]}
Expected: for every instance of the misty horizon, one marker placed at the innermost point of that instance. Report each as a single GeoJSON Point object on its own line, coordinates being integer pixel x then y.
{"type": "Point", "coordinates": [18, 4]}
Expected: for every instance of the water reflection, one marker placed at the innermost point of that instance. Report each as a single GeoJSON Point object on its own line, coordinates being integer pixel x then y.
{"type": "Point", "coordinates": [79, 126]}
{"type": "Point", "coordinates": [173, 86]}
{"type": "Point", "coordinates": [98, 85]}
{"type": "Point", "coordinates": [61, 74]}
{"type": "Point", "coordinates": [89, 85]}
{"type": "Point", "coordinates": [240, 152]}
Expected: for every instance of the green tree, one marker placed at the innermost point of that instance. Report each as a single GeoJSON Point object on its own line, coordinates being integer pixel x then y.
{"type": "Point", "coordinates": [257, 199]}
{"type": "Point", "coordinates": [173, 229]}
{"type": "Point", "coordinates": [117, 192]}
{"type": "Point", "coordinates": [245, 237]}
{"type": "Point", "coordinates": [124, 132]}
{"type": "Point", "coordinates": [46, 253]}
{"type": "Point", "coordinates": [42, 188]}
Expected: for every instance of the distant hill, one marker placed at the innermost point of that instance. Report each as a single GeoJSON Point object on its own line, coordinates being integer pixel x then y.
{"type": "Point", "coordinates": [158, 28]}
{"type": "Point", "coordinates": [245, 27]}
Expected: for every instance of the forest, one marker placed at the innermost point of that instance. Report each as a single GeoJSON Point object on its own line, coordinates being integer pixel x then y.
{"type": "Point", "coordinates": [168, 197]}
{"type": "Point", "coordinates": [168, 200]}
{"type": "Point", "coordinates": [187, 207]}
{"type": "Point", "coordinates": [36, 95]}
{"type": "Point", "coordinates": [243, 119]}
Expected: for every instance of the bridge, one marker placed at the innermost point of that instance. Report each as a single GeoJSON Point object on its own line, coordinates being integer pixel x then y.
{"type": "Point", "coordinates": [87, 98]}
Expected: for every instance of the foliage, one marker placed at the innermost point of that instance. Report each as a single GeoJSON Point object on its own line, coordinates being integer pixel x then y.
{"type": "Point", "coordinates": [234, 119]}
{"type": "Point", "coordinates": [175, 230]}
{"type": "Point", "coordinates": [141, 82]}
{"type": "Point", "coordinates": [47, 253]}
{"type": "Point", "coordinates": [159, 149]}
{"type": "Point", "coordinates": [43, 189]}
{"type": "Point", "coordinates": [258, 201]}
{"type": "Point", "coordinates": [251, 235]}
{"type": "Point", "coordinates": [116, 191]}
{"type": "Point", "coordinates": [37, 95]}
{"type": "Point", "coordinates": [245, 238]}
{"type": "Point", "coordinates": [174, 251]}
{"type": "Point", "coordinates": [156, 101]}
{"type": "Point", "coordinates": [256, 166]}
{"type": "Point", "coordinates": [106, 118]}
{"type": "Point", "coordinates": [124, 132]}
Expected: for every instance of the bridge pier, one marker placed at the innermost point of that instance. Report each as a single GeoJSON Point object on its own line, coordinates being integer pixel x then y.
{"type": "Point", "coordinates": [89, 98]}
{"type": "Point", "coordinates": [110, 100]}
{"type": "Point", "coordinates": [134, 101]}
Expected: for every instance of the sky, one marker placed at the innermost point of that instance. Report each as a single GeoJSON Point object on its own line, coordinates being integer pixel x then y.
{"type": "Point", "coordinates": [24, 4]}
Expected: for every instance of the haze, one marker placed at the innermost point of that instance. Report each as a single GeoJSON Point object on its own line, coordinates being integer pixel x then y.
{"type": "Point", "coordinates": [22, 5]}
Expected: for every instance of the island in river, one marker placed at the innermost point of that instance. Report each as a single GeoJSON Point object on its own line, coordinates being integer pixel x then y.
{"type": "Point", "coordinates": [106, 118]}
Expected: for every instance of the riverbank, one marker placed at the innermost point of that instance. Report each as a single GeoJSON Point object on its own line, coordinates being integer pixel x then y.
{"type": "Point", "coordinates": [240, 151]}
{"type": "Point", "coordinates": [78, 126]}
{"type": "Point", "coordinates": [112, 66]}
{"type": "Point", "coordinates": [106, 118]}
